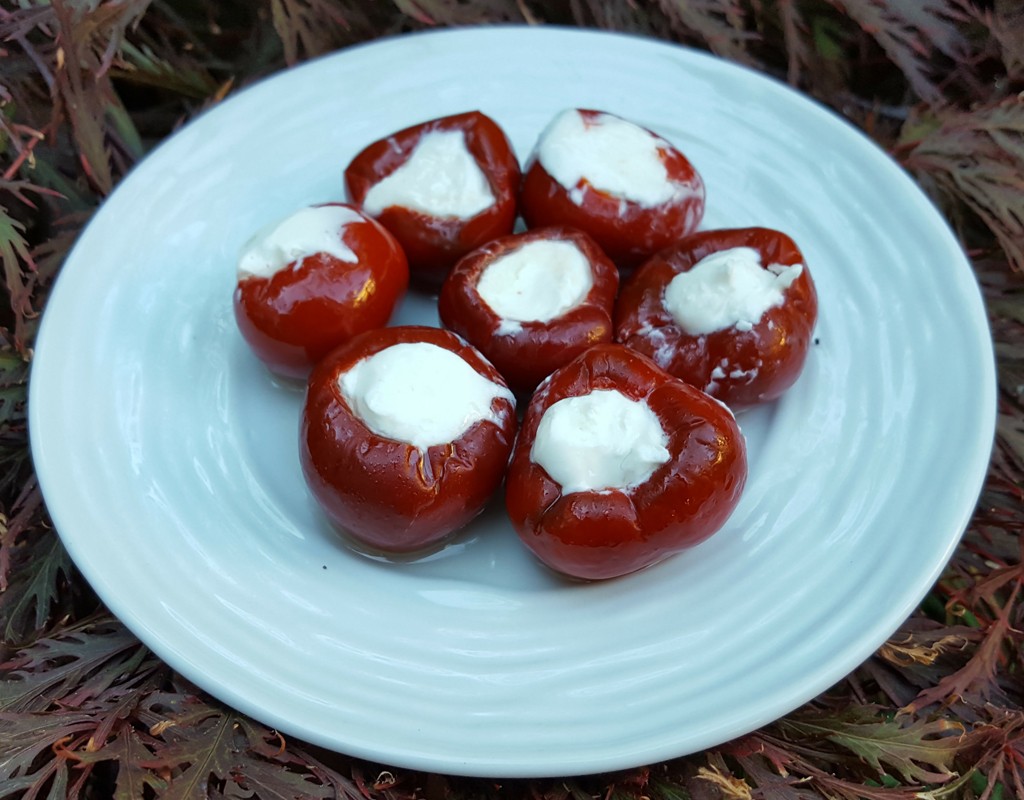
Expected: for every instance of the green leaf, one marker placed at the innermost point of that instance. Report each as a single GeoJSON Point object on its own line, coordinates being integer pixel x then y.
{"type": "Point", "coordinates": [197, 742]}
{"type": "Point", "coordinates": [124, 127]}
{"type": "Point", "coordinates": [977, 158]}
{"type": "Point", "coordinates": [827, 34]}
{"type": "Point", "coordinates": [920, 751]}
{"type": "Point", "coordinates": [215, 752]}
{"type": "Point", "coordinates": [910, 31]}
{"type": "Point", "coordinates": [59, 786]}
{"type": "Point", "coordinates": [15, 470]}
{"type": "Point", "coordinates": [664, 790]}
{"type": "Point", "coordinates": [269, 781]}
{"type": "Point", "coordinates": [88, 36]}
{"type": "Point", "coordinates": [976, 681]}
{"type": "Point", "coordinates": [140, 65]}
{"type": "Point", "coordinates": [719, 23]}
{"type": "Point", "coordinates": [13, 389]}
{"type": "Point", "coordinates": [86, 723]}
{"type": "Point", "coordinates": [308, 28]}
{"type": "Point", "coordinates": [128, 750]}
{"type": "Point", "coordinates": [43, 673]}
{"type": "Point", "coordinates": [200, 744]}
{"type": "Point", "coordinates": [82, 101]}
{"type": "Point", "coordinates": [132, 779]}
{"type": "Point", "coordinates": [47, 175]}
{"type": "Point", "coordinates": [35, 587]}
{"type": "Point", "coordinates": [15, 257]}
{"type": "Point", "coordinates": [26, 738]}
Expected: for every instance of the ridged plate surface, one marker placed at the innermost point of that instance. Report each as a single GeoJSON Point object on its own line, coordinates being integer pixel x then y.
{"type": "Point", "coordinates": [167, 455]}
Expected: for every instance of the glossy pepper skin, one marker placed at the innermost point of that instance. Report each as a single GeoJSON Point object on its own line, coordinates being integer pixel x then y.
{"type": "Point", "coordinates": [597, 535]}
{"type": "Point", "coordinates": [433, 244]}
{"type": "Point", "coordinates": [740, 368]}
{"type": "Point", "coordinates": [626, 231]}
{"type": "Point", "coordinates": [387, 494]}
{"type": "Point", "coordinates": [527, 352]}
{"type": "Point", "coordinates": [295, 317]}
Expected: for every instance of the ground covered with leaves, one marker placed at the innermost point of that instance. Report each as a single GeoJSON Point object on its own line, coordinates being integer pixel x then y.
{"type": "Point", "coordinates": [87, 88]}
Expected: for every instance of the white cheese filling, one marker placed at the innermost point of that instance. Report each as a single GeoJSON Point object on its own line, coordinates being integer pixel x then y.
{"type": "Point", "coordinates": [317, 229]}
{"type": "Point", "coordinates": [612, 154]}
{"type": "Point", "coordinates": [536, 282]}
{"type": "Point", "coordinates": [419, 393]}
{"type": "Point", "coordinates": [440, 178]}
{"type": "Point", "coordinates": [599, 441]}
{"type": "Point", "coordinates": [727, 289]}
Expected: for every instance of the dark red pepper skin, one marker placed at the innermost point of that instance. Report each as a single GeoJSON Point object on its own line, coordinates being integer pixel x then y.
{"type": "Point", "coordinates": [434, 244]}
{"type": "Point", "coordinates": [776, 347]}
{"type": "Point", "coordinates": [529, 354]}
{"type": "Point", "coordinates": [626, 231]}
{"type": "Point", "coordinates": [598, 535]}
{"type": "Point", "coordinates": [388, 495]}
{"type": "Point", "coordinates": [298, 315]}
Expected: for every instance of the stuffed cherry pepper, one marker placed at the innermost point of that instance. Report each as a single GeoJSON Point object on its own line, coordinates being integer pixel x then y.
{"type": "Point", "coordinates": [405, 435]}
{"type": "Point", "coordinates": [313, 281]}
{"type": "Point", "coordinates": [531, 302]}
{"type": "Point", "coordinates": [730, 311]}
{"type": "Point", "coordinates": [441, 187]}
{"type": "Point", "coordinates": [625, 186]}
{"type": "Point", "coordinates": [618, 465]}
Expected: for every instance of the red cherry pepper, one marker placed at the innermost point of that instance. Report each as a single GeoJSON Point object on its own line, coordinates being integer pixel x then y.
{"type": "Point", "coordinates": [433, 244]}
{"type": "Point", "coordinates": [386, 494]}
{"type": "Point", "coordinates": [300, 313]}
{"type": "Point", "coordinates": [612, 532]}
{"type": "Point", "coordinates": [527, 352]}
{"type": "Point", "coordinates": [739, 367]}
{"type": "Point", "coordinates": [626, 230]}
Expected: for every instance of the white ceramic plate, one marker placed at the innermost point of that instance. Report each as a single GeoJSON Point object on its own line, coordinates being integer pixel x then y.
{"type": "Point", "coordinates": [168, 456]}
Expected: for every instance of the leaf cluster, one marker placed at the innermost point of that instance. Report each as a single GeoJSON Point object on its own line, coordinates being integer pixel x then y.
{"type": "Point", "coordinates": [88, 88]}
